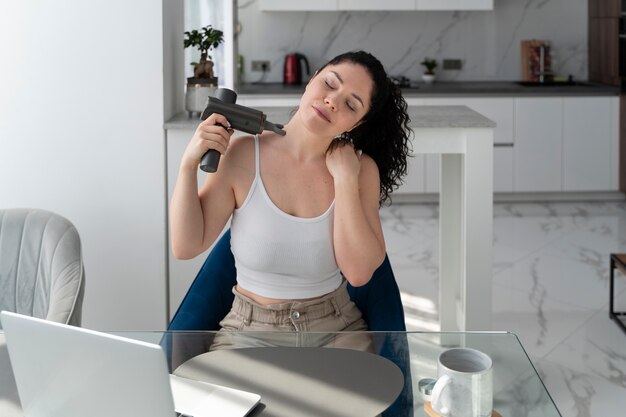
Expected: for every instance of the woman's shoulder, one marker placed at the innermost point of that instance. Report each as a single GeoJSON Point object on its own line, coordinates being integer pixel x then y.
{"type": "Point", "coordinates": [239, 156]}
{"type": "Point", "coordinates": [369, 170]}
{"type": "Point", "coordinates": [241, 143]}
{"type": "Point", "coordinates": [240, 147]}
{"type": "Point", "coordinates": [368, 164]}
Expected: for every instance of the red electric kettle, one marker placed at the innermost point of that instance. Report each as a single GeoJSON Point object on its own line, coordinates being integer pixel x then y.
{"type": "Point", "coordinates": [292, 71]}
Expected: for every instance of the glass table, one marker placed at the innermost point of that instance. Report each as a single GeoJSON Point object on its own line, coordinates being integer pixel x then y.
{"type": "Point", "coordinates": [518, 389]}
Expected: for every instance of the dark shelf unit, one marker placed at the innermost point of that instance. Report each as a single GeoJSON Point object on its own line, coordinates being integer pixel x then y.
{"type": "Point", "coordinates": [607, 51]}
{"type": "Point", "coordinates": [618, 261]}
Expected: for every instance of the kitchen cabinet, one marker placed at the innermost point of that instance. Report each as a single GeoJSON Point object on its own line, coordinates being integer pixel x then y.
{"type": "Point", "coordinates": [604, 8]}
{"type": "Point", "coordinates": [454, 4]}
{"type": "Point", "coordinates": [290, 5]}
{"type": "Point", "coordinates": [590, 144]}
{"type": "Point", "coordinates": [606, 56]}
{"type": "Point", "coordinates": [604, 50]}
{"type": "Point", "coordinates": [503, 169]}
{"type": "Point", "coordinates": [538, 151]}
{"type": "Point", "coordinates": [388, 5]}
{"type": "Point", "coordinates": [566, 144]}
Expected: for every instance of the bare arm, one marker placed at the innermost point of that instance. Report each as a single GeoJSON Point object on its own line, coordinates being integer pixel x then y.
{"type": "Point", "coordinates": [197, 218]}
{"type": "Point", "coordinates": [358, 237]}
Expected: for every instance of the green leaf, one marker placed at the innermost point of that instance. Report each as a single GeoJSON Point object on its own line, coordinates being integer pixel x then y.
{"type": "Point", "coordinates": [205, 39]}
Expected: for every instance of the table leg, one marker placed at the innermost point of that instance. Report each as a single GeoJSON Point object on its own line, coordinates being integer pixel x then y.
{"type": "Point", "coordinates": [476, 288]}
{"type": "Point", "coordinates": [465, 230]}
{"type": "Point", "coordinates": [451, 231]}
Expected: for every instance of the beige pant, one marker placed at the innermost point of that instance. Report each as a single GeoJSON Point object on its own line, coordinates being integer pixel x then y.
{"type": "Point", "coordinates": [312, 323]}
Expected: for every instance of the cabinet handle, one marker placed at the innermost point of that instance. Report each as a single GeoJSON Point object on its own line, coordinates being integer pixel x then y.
{"type": "Point", "coordinates": [503, 145]}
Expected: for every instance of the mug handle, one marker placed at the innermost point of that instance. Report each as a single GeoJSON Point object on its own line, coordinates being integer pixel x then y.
{"type": "Point", "coordinates": [441, 383]}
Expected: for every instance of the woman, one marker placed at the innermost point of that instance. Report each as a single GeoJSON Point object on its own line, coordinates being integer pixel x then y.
{"type": "Point", "coordinates": [304, 206]}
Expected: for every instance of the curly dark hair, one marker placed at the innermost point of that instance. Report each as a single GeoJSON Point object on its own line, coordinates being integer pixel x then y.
{"type": "Point", "coordinates": [384, 133]}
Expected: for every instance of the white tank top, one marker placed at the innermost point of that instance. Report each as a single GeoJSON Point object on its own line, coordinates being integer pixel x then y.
{"type": "Point", "coordinates": [278, 255]}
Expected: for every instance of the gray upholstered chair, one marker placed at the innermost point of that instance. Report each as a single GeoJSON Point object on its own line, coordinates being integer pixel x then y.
{"type": "Point", "coordinates": [41, 266]}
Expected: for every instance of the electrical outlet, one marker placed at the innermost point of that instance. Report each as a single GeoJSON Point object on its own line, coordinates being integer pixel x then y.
{"type": "Point", "coordinates": [261, 66]}
{"type": "Point", "coordinates": [452, 64]}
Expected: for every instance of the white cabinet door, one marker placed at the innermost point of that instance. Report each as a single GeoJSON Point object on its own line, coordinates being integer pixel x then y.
{"type": "Point", "coordinates": [432, 164]}
{"type": "Point", "coordinates": [376, 5]}
{"type": "Point", "coordinates": [589, 143]}
{"type": "Point", "coordinates": [538, 144]}
{"type": "Point", "coordinates": [299, 5]}
{"type": "Point", "coordinates": [503, 169]}
{"type": "Point", "coordinates": [414, 180]}
{"type": "Point", "coordinates": [454, 4]}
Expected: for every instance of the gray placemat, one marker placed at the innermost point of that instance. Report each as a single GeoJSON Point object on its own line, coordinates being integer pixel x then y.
{"type": "Point", "coordinates": [303, 381]}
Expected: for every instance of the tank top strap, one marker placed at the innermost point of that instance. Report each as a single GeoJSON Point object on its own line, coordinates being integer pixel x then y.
{"type": "Point", "coordinates": [257, 157]}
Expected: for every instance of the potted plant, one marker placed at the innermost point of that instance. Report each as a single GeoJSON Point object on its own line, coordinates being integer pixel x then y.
{"type": "Point", "coordinates": [204, 82]}
{"type": "Point", "coordinates": [429, 74]}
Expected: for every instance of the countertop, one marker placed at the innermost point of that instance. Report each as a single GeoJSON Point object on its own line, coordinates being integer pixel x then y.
{"type": "Point", "coordinates": [448, 117]}
{"type": "Point", "coordinates": [421, 117]}
{"type": "Point", "coordinates": [460, 89]}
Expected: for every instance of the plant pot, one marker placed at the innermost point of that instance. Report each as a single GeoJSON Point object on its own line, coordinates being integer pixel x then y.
{"type": "Point", "coordinates": [197, 93]}
{"type": "Point", "coordinates": [428, 78]}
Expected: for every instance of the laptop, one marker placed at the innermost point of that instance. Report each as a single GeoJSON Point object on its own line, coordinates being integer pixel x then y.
{"type": "Point", "coordinates": [66, 371]}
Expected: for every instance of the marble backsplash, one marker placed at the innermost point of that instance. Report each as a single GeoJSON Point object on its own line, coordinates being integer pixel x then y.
{"type": "Point", "coordinates": [487, 42]}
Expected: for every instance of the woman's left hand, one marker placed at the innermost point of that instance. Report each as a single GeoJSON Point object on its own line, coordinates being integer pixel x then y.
{"type": "Point", "coordinates": [343, 161]}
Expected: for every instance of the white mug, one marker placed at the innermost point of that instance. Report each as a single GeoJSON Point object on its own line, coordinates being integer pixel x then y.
{"type": "Point", "coordinates": [464, 387]}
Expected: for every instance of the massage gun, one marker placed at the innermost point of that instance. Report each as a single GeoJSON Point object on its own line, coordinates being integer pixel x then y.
{"type": "Point", "coordinates": [240, 117]}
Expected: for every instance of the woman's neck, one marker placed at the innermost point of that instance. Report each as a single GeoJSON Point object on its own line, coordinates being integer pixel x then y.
{"type": "Point", "coordinates": [303, 144]}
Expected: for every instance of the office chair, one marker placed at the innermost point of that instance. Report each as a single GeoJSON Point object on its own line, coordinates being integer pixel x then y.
{"type": "Point", "coordinates": [41, 266]}
{"type": "Point", "coordinates": [210, 298]}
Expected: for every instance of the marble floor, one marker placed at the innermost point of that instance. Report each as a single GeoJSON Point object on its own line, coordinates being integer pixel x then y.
{"type": "Point", "coordinates": [550, 287]}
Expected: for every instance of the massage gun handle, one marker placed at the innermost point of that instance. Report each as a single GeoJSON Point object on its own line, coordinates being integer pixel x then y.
{"type": "Point", "coordinates": [211, 159]}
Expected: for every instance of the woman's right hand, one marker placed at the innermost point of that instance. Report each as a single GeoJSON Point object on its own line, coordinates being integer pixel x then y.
{"type": "Point", "coordinates": [209, 135]}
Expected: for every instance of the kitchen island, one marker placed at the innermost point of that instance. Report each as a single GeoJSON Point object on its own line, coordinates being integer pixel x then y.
{"type": "Point", "coordinates": [463, 139]}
